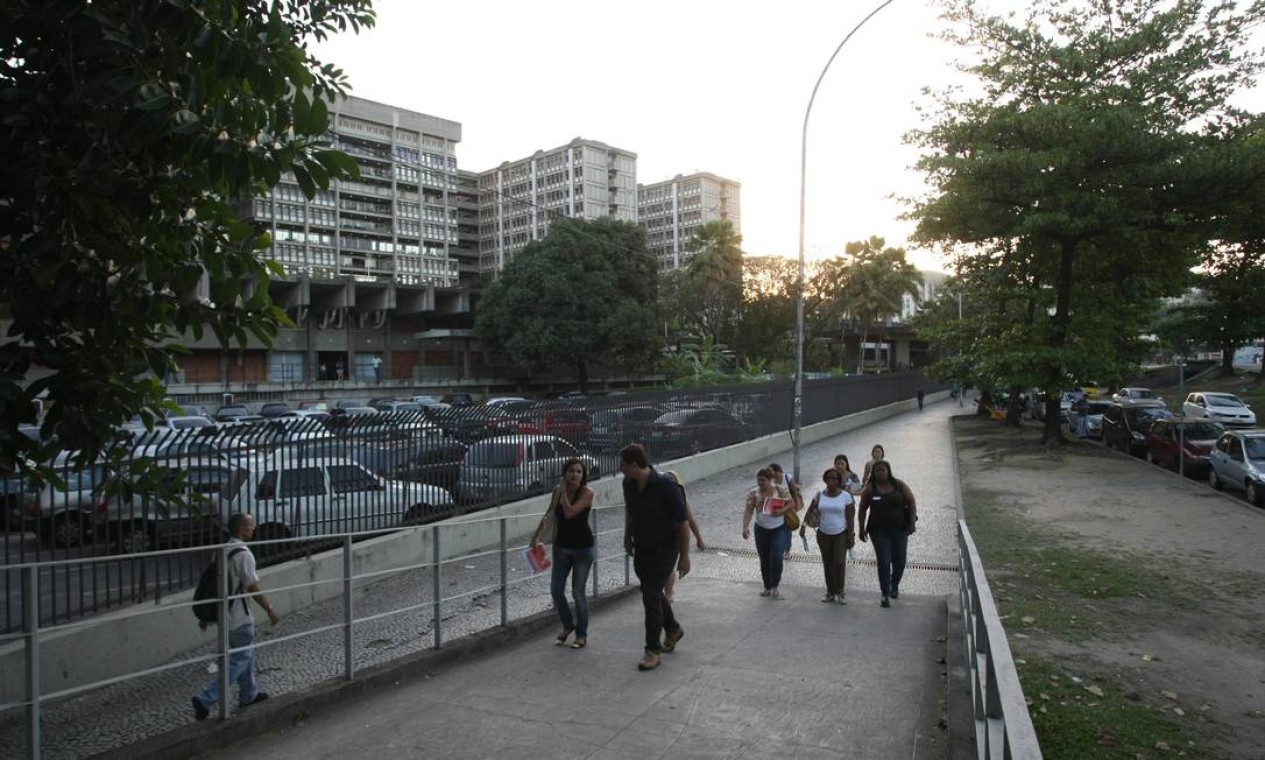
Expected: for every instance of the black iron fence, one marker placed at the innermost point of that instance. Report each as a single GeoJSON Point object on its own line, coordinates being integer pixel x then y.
{"type": "Point", "coordinates": [318, 476]}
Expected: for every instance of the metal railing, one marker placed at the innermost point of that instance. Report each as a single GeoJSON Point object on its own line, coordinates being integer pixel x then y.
{"type": "Point", "coordinates": [314, 479]}
{"type": "Point", "coordinates": [1003, 725]}
{"type": "Point", "coordinates": [34, 633]}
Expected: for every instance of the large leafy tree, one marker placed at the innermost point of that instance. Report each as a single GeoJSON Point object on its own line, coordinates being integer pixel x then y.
{"type": "Point", "coordinates": [1086, 153]}
{"type": "Point", "coordinates": [127, 129]}
{"type": "Point", "coordinates": [585, 294]}
{"type": "Point", "coordinates": [877, 279]}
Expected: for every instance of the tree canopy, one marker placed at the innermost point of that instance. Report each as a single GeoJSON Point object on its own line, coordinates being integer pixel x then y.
{"type": "Point", "coordinates": [128, 129]}
{"type": "Point", "coordinates": [1073, 181]}
{"type": "Point", "coordinates": [586, 293]}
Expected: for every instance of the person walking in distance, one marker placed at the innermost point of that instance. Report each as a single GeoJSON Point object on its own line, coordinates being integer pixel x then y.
{"type": "Point", "coordinates": [876, 455]}
{"type": "Point", "coordinates": [657, 535]}
{"type": "Point", "coordinates": [893, 515]}
{"type": "Point", "coordinates": [377, 369]}
{"type": "Point", "coordinates": [242, 578]}
{"type": "Point", "coordinates": [921, 395]}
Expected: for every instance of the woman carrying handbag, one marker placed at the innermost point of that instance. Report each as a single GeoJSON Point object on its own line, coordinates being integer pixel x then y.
{"type": "Point", "coordinates": [832, 513]}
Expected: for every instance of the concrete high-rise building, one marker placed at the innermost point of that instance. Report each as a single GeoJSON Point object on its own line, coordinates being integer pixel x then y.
{"type": "Point", "coordinates": [583, 179]}
{"type": "Point", "coordinates": [396, 224]}
{"type": "Point", "coordinates": [670, 212]}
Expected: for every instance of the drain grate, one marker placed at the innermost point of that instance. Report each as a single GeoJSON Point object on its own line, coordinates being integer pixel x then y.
{"type": "Point", "coordinates": [814, 559]}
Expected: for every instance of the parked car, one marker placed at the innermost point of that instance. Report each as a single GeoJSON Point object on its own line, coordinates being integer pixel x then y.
{"type": "Point", "coordinates": [313, 405]}
{"type": "Point", "coordinates": [1093, 421]}
{"type": "Point", "coordinates": [320, 496]}
{"type": "Point", "coordinates": [206, 490]}
{"type": "Point", "coordinates": [274, 409]}
{"type": "Point", "coordinates": [188, 423]}
{"type": "Point", "coordinates": [63, 518]}
{"type": "Point", "coordinates": [563, 420]}
{"type": "Point", "coordinates": [473, 423]}
{"type": "Point", "coordinates": [515, 466]}
{"type": "Point", "coordinates": [1133, 394]}
{"type": "Point", "coordinates": [689, 431]}
{"type": "Point", "coordinates": [1238, 461]}
{"type": "Point", "coordinates": [232, 413]}
{"type": "Point", "coordinates": [615, 428]}
{"type": "Point", "coordinates": [1124, 426]}
{"type": "Point", "coordinates": [1197, 439]}
{"type": "Point", "coordinates": [398, 407]}
{"type": "Point", "coordinates": [1225, 408]}
{"type": "Point", "coordinates": [457, 399]}
{"type": "Point", "coordinates": [505, 400]}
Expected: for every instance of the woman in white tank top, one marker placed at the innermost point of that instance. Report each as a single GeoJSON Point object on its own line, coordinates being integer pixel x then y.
{"type": "Point", "coordinates": [833, 514]}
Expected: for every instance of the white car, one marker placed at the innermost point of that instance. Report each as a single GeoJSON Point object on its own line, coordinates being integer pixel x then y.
{"type": "Point", "coordinates": [1225, 408]}
{"type": "Point", "coordinates": [1133, 394]}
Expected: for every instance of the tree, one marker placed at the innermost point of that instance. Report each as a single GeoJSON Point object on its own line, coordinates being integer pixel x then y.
{"type": "Point", "coordinates": [767, 327]}
{"type": "Point", "coordinates": [715, 280]}
{"type": "Point", "coordinates": [585, 294]}
{"type": "Point", "coordinates": [876, 282]}
{"type": "Point", "coordinates": [129, 127]}
{"type": "Point", "coordinates": [1087, 154]}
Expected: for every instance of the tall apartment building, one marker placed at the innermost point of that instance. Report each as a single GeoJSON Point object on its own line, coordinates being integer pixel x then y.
{"type": "Point", "coordinates": [584, 179]}
{"type": "Point", "coordinates": [370, 264]}
{"type": "Point", "coordinates": [396, 224]}
{"type": "Point", "coordinates": [670, 212]}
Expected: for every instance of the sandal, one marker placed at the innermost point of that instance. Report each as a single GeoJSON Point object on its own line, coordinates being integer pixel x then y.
{"type": "Point", "coordinates": [579, 643]}
{"type": "Point", "coordinates": [562, 637]}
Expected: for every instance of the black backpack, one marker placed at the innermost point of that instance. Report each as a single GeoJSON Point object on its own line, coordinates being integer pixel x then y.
{"type": "Point", "coordinates": [206, 597]}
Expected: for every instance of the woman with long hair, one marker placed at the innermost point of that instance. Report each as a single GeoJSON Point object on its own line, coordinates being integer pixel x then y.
{"type": "Point", "coordinates": [573, 549]}
{"type": "Point", "coordinates": [892, 516]}
{"type": "Point", "coordinates": [771, 534]}
{"type": "Point", "coordinates": [876, 455]}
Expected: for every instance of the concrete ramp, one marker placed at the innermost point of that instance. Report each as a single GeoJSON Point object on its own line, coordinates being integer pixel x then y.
{"type": "Point", "coordinates": [753, 677]}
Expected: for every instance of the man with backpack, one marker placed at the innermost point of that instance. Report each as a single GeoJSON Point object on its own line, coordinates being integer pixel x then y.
{"type": "Point", "coordinates": [242, 579]}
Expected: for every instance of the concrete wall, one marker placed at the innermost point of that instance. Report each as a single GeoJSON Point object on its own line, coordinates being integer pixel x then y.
{"type": "Point", "coordinates": [145, 636]}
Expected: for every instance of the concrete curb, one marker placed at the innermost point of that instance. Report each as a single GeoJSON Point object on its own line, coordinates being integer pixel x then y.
{"type": "Point", "coordinates": [295, 707]}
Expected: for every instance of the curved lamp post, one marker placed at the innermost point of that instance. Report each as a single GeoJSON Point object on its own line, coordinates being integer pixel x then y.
{"type": "Point", "coordinates": [798, 404]}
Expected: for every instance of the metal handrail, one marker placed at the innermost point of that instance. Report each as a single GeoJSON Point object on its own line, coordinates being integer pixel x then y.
{"type": "Point", "coordinates": [33, 632]}
{"type": "Point", "coordinates": [1002, 723]}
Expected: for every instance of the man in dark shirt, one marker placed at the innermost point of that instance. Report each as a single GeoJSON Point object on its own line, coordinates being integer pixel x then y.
{"type": "Point", "coordinates": [657, 534]}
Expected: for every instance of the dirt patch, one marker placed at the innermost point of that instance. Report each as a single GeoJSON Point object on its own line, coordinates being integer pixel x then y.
{"type": "Point", "coordinates": [1118, 571]}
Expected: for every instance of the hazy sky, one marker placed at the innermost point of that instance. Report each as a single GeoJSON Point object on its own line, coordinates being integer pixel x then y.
{"type": "Point", "coordinates": [691, 85]}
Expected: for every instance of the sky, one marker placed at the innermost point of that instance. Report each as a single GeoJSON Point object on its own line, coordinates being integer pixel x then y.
{"type": "Point", "coordinates": [690, 85]}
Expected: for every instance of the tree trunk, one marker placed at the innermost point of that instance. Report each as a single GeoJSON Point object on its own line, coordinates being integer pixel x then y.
{"type": "Point", "coordinates": [1227, 360]}
{"type": "Point", "coordinates": [1052, 433]}
{"type": "Point", "coordinates": [1014, 412]}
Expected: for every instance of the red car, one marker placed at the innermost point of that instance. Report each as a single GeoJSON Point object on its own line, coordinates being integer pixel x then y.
{"type": "Point", "coordinates": [1200, 435]}
{"type": "Point", "coordinates": [569, 423]}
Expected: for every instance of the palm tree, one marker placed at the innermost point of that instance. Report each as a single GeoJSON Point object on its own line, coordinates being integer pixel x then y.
{"type": "Point", "coordinates": [715, 270]}
{"type": "Point", "coordinates": [875, 285]}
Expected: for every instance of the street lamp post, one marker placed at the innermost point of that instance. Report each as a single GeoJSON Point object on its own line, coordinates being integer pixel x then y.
{"type": "Point", "coordinates": [798, 403]}
{"type": "Point", "coordinates": [1181, 416]}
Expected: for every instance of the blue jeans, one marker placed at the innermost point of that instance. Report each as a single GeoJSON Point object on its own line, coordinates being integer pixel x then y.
{"type": "Point", "coordinates": [889, 550]}
{"type": "Point", "coordinates": [771, 544]}
{"type": "Point", "coordinates": [241, 669]}
{"type": "Point", "coordinates": [577, 562]}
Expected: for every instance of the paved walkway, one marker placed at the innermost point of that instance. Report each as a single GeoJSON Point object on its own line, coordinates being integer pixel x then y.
{"type": "Point", "coordinates": [753, 677]}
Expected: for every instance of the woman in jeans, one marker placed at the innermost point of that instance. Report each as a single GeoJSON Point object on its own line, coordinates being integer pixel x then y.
{"type": "Point", "coordinates": [772, 537]}
{"type": "Point", "coordinates": [833, 511]}
{"type": "Point", "coordinates": [892, 513]}
{"type": "Point", "coordinates": [573, 551]}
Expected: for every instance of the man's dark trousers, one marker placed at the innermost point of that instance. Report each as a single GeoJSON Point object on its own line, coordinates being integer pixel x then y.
{"type": "Point", "coordinates": [653, 571]}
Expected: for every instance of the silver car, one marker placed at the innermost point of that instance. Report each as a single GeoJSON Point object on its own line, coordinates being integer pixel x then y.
{"type": "Point", "coordinates": [1225, 408]}
{"type": "Point", "coordinates": [515, 466]}
{"type": "Point", "coordinates": [1238, 461]}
